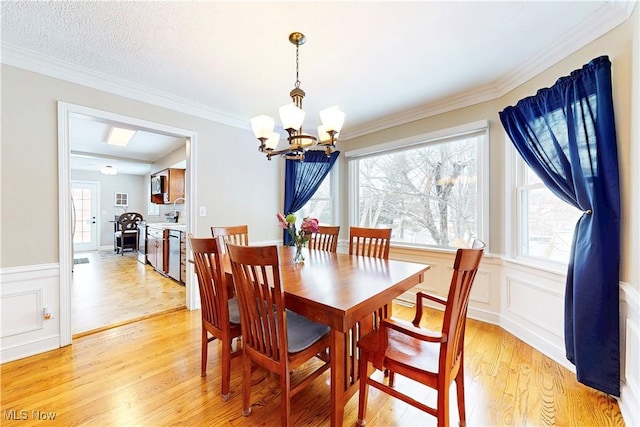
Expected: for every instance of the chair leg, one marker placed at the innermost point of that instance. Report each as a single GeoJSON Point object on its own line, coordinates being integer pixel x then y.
{"type": "Point", "coordinates": [460, 394]}
{"type": "Point", "coordinates": [364, 389]}
{"type": "Point", "coordinates": [205, 348]}
{"type": "Point", "coordinates": [443, 404]}
{"type": "Point", "coordinates": [226, 368]}
{"type": "Point", "coordinates": [246, 386]}
{"type": "Point", "coordinates": [285, 399]}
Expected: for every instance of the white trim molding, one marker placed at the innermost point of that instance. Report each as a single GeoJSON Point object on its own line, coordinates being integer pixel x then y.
{"type": "Point", "coordinates": [630, 352]}
{"type": "Point", "coordinates": [53, 67]}
{"type": "Point", "coordinates": [601, 22]}
{"type": "Point", "coordinates": [25, 292]}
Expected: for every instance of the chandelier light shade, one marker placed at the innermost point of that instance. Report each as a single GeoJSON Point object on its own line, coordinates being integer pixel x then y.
{"type": "Point", "coordinates": [292, 117]}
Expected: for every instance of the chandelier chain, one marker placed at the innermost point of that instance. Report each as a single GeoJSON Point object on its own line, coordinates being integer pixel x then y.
{"type": "Point", "coordinates": [297, 67]}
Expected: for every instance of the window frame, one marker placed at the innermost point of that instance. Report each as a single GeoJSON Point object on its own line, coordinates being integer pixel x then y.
{"type": "Point", "coordinates": [481, 127]}
{"type": "Point", "coordinates": [515, 185]}
{"type": "Point", "coordinates": [334, 194]}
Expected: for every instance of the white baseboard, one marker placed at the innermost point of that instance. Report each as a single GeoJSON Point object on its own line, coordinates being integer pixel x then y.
{"type": "Point", "coordinates": [27, 349]}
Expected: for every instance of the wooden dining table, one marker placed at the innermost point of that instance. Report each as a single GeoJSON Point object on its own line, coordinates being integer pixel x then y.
{"type": "Point", "coordinates": [344, 292]}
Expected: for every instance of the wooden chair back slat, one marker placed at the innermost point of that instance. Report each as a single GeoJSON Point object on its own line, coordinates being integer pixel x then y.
{"type": "Point", "coordinates": [370, 242]}
{"type": "Point", "coordinates": [326, 239]}
{"type": "Point", "coordinates": [236, 234]}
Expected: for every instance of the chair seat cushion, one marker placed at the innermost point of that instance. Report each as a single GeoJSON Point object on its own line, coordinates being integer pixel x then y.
{"type": "Point", "coordinates": [302, 332]}
{"type": "Point", "coordinates": [234, 311]}
{"type": "Point", "coordinates": [130, 232]}
{"type": "Point", "coordinates": [403, 351]}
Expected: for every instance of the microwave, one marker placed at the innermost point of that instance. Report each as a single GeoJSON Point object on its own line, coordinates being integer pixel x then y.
{"type": "Point", "coordinates": [157, 185]}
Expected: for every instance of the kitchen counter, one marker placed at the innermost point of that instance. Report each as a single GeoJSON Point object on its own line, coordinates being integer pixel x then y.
{"type": "Point", "coordinates": [168, 226]}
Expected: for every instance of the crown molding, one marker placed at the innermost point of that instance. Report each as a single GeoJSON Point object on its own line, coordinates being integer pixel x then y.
{"type": "Point", "coordinates": [604, 20]}
{"type": "Point", "coordinates": [52, 67]}
{"type": "Point", "coordinates": [599, 23]}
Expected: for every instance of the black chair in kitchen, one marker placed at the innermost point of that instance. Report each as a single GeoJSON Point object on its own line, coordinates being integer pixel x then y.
{"type": "Point", "coordinates": [127, 234]}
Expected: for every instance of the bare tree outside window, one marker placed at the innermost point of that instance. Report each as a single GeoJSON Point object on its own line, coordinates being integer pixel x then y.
{"type": "Point", "coordinates": [428, 194]}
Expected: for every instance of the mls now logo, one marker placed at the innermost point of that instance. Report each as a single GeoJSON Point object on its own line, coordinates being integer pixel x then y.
{"type": "Point", "coordinates": [16, 415]}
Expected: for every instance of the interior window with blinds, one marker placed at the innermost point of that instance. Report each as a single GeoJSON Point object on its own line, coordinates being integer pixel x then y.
{"type": "Point", "coordinates": [430, 193]}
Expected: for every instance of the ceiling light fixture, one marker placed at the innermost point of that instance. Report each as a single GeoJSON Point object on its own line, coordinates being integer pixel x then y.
{"type": "Point", "coordinates": [108, 170]}
{"type": "Point", "coordinates": [292, 117]}
{"type": "Point", "coordinates": [120, 136]}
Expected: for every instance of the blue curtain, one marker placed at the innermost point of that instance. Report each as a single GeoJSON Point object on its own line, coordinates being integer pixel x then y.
{"type": "Point", "coordinates": [566, 134]}
{"type": "Point", "coordinates": [302, 179]}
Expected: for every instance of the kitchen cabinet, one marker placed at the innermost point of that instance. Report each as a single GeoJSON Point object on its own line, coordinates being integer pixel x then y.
{"type": "Point", "coordinates": [157, 248]}
{"type": "Point", "coordinates": [183, 257]}
{"type": "Point", "coordinates": [167, 185]}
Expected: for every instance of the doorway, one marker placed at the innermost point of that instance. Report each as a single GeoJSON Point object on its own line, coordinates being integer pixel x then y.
{"type": "Point", "coordinates": [66, 112]}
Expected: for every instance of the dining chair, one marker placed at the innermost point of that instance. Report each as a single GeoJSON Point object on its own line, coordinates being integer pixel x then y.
{"type": "Point", "coordinates": [127, 234]}
{"type": "Point", "coordinates": [220, 314]}
{"type": "Point", "coordinates": [326, 239]}
{"type": "Point", "coordinates": [371, 242]}
{"type": "Point", "coordinates": [435, 359]}
{"type": "Point", "coordinates": [236, 234]}
{"type": "Point", "coordinates": [275, 338]}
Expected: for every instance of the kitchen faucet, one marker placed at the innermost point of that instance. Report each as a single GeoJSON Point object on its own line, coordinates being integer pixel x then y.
{"type": "Point", "coordinates": [175, 213]}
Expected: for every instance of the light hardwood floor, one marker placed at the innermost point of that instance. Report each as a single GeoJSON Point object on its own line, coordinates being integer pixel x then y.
{"type": "Point", "coordinates": [147, 373]}
{"type": "Point", "coordinates": [111, 290]}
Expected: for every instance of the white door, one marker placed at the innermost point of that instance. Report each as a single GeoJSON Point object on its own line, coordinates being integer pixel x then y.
{"type": "Point", "coordinates": [84, 205]}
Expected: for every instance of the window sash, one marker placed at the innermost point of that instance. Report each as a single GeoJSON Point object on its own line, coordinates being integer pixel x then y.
{"type": "Point", "coordinates": [522, 185]}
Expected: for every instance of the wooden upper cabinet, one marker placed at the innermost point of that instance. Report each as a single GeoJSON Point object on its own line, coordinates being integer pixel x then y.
{"type": "Point", "coordinates": [167, 185]}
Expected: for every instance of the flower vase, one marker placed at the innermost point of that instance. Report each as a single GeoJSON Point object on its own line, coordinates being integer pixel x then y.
{"type": "Point", "coordinates": [298, 257]}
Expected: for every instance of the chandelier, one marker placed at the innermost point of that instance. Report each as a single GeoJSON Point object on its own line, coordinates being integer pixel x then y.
{"type": "Point", "coordinates": [292, 117]}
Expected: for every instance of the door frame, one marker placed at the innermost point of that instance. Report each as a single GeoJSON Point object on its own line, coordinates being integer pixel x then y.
{"type": "Point", "coordinates": [65, 112]}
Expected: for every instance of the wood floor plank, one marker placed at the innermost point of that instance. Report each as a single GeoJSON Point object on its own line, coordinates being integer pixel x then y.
{"type": "Point", "coordinates": [147, 373]}
{"type": "Point", "coordinates": [112, 290]}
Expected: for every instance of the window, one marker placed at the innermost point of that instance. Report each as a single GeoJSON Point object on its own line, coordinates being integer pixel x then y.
{"type": "Point", "coordinates": [545, 223]}
{"type": "Point", "coordinates": [121, 199]}
{"type": "Point", "coordinates": [429, 189]}
{"type": "Point", "coordinates": [320, 205]}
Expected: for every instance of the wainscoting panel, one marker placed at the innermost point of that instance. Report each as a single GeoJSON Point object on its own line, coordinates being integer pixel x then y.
{"type": "Point", "coordinates": [630, 342]}
{"type": "Point", "coordinates": [21, 312]}
{"type": "Point", "coordinates": [24, 293]}
{"type": "Point", "coordinates": [532, 308]}
{"type": "Point", "coordinates": [481, 290]}
{"type": "Point", "coordinates": [538, 305]}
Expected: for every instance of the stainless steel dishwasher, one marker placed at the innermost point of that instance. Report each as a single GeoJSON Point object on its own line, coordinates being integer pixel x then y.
{"type": "Point", "coordinates": [174, 254]}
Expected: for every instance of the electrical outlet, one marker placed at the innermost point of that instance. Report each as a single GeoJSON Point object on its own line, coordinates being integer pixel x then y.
{"type": "Point", "coordinates": [203, 211]}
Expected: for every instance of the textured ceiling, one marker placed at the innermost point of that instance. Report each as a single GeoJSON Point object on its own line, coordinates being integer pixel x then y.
{"type": "Point", "coordinates": [382, 62]}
